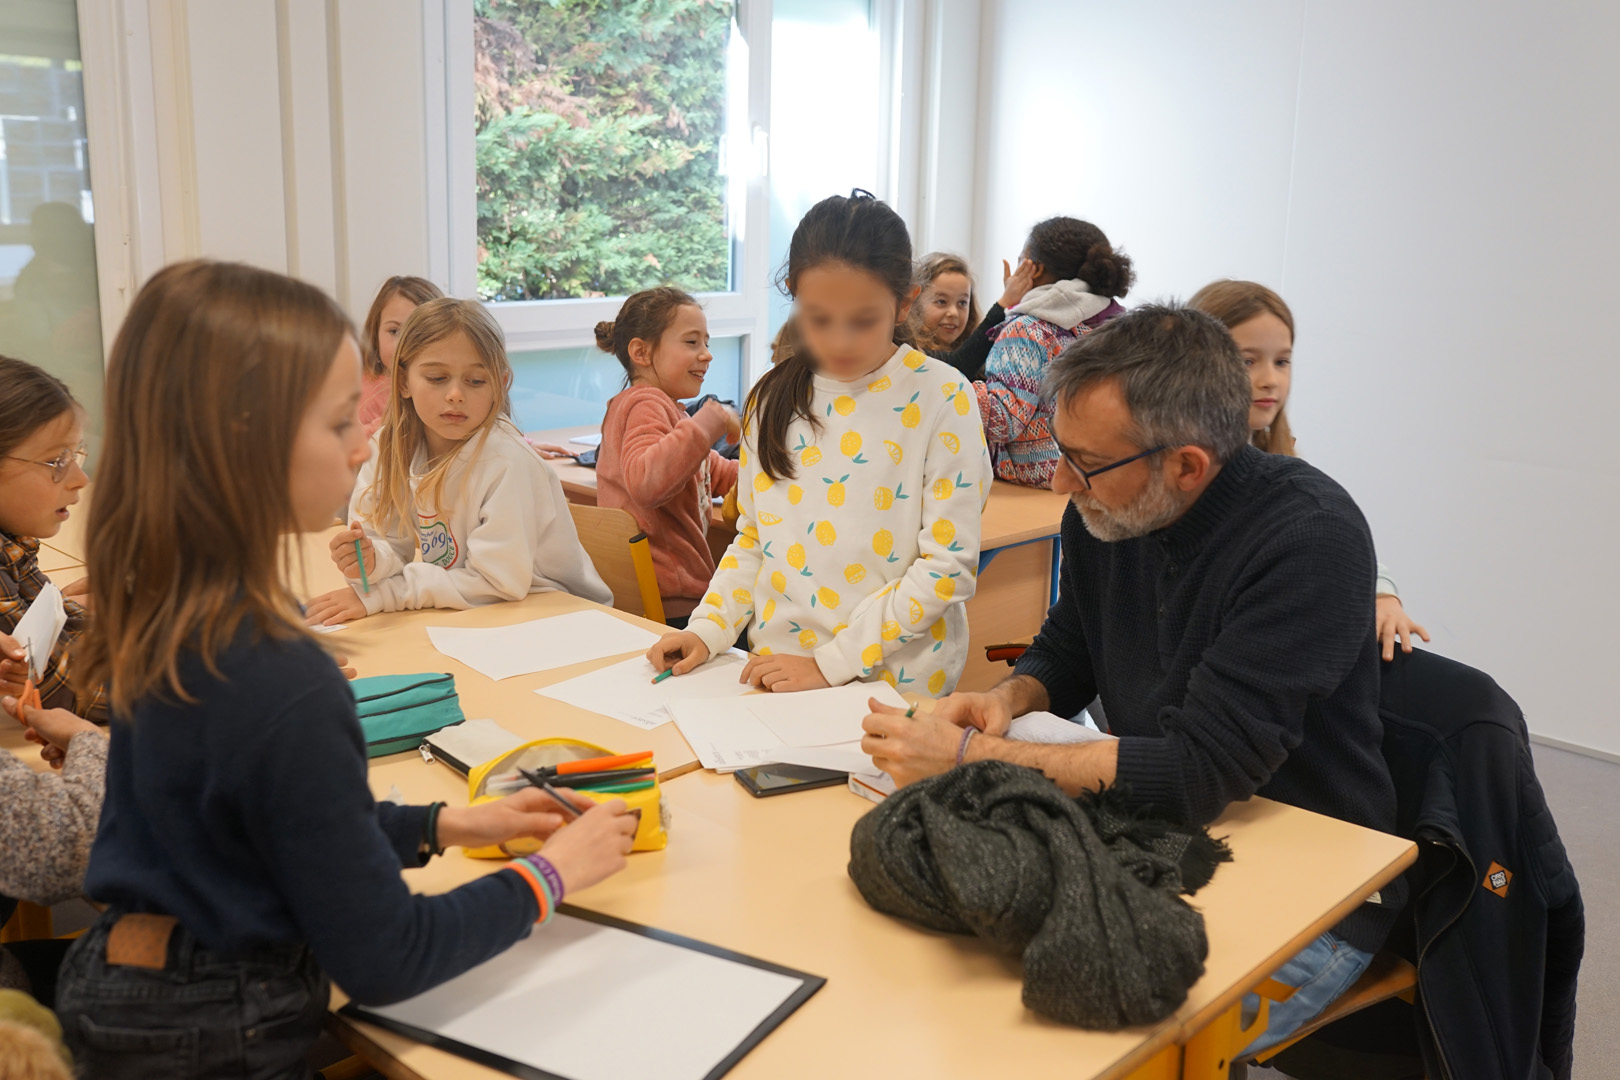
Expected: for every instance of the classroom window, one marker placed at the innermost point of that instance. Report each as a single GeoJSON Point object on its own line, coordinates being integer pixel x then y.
{"type": "Point", "coordinates": [825, 114]}
{"type": "Point", "coordinates": [601, 146]}
{"type": "Point", "coordinates": [560, 388]}
{"type": "Point", "coordinates": [49, 301]}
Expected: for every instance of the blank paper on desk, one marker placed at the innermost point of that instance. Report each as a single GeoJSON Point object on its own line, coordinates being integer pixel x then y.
{"type": "Point", "coordinates": [587, 997]}
{"type": "Point", "coordinates": [501, 652]}
{"type": "Point", "coordinates": [821, 717]}
{"type": "Point", "coordinates": [626, 691]}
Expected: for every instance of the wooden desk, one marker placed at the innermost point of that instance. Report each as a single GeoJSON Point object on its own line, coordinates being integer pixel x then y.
{"type": "Point", "coordinates": [767, 877]}
{"type": "Point", "coordinates": [1019, 552]}
{"type": "Point", "coordinates": [578, 481]}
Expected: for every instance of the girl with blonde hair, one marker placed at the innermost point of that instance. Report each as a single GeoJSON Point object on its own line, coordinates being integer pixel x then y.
{"type": "Point", "coordinates": [453, 480]}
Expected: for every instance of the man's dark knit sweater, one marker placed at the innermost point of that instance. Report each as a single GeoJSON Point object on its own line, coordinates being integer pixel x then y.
{"type": "Point", "coordinates": [1234, 654]}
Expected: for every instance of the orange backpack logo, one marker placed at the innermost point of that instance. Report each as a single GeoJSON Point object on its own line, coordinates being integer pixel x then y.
{"type": "Point", "coordinates": [1497, 879]}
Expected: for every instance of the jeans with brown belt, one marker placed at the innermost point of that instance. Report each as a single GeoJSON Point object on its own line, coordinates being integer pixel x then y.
{"type": "Point", "coordinates": [145, 999]}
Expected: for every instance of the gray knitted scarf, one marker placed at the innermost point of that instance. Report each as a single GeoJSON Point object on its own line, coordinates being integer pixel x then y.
{"type": "Point", "coordinates": [1085, 891]}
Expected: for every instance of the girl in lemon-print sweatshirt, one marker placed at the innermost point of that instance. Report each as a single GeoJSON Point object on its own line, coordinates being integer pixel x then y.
{"type": "Point", "coordinates": [861, 482]}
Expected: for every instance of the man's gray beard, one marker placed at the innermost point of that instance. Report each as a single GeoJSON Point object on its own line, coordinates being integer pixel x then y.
{"type": "Point", "coordinates": [1157, 506]}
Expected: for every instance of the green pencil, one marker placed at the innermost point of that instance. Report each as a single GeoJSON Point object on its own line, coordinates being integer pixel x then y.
{"type": "Point", "coordinates": [365, 586]}
{"type": "Point", "coordinates": [662, 675]}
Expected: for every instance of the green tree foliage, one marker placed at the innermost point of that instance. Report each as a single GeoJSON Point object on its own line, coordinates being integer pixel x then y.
{"type": "Point", "coordinates": [599, 125]}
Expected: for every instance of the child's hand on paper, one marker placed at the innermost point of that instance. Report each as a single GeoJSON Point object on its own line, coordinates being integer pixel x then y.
{"type": "Point", "coordinates": [13, 667]}
{"type": "Point", "coordinates": [783, 674]}
{"type": "Point", "coordinates": [342, 546]}
{"type": "Point", "coordinates": [78, 591]}
{"type": "Point", "coordinates": [1393, 622]}
{"type": "Point", "coordinates": [594, 847]}
{"type": "Point", "coordinates": [909, 748]}
{"type": "Point", "coordinates": [339, 606]}
{"type": "Point", "coordinates": [679, 652]}
{"type": "Point", "coordinates": [521, 815]}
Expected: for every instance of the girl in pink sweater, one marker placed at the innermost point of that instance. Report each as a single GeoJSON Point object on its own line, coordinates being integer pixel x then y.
{"type": "Point", "coordinates": [655, 461]}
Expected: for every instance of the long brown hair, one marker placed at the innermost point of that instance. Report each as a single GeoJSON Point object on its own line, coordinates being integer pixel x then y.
{"type": "Point", "coordinates": [645, 315]}
{"type": "Point", "coordinates": [30, 398]}
{"type": "Point", "coordinates": [1235, 303]}
{"type": "Point", "coordinates": [860, 231]}
{"type": "Point", "coordinates": [388, 503]}
{"type": "Point", "coordinates": [930, 268]}
{"type": "Point", "coordinates": [207, 385]}
{"type": "Point", "coordinates": [417, 290]}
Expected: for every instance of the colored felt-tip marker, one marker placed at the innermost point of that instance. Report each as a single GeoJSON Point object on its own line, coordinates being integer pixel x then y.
{"type": "Point", "coordinates": [662, 675]}
{"type": "Point", "coordinates": [365, 585]}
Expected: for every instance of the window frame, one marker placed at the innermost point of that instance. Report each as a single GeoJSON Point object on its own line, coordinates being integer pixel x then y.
{"type": "Point", "coordinates": [559, 324]}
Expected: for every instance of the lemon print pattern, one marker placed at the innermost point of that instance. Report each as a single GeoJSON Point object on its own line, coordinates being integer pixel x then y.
{"type": "Point", "coordinates": [910, 412]}
{"type": "Point", "coordinates": [881, 483]}
{"type": "Point", "coordinates": [835, 490]}
{"type": "Point", "coordinates": [883, 544]}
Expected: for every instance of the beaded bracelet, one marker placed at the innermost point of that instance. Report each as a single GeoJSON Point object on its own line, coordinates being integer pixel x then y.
{"type": "Point", "coordinates": [961, 747]}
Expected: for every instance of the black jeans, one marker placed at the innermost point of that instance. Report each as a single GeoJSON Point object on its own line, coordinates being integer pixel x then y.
{"type": "Point", "coordinates": [203, 1015]}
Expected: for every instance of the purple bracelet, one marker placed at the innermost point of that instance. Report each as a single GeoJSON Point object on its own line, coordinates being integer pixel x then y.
{"type": "Point", "coordinates": [549, 872]}
{"type": "Point", "coordinates": [961, 747]}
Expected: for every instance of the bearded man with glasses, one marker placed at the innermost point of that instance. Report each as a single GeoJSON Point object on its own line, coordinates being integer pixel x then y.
{"type": "Point", "coordinates": [1217, 599]}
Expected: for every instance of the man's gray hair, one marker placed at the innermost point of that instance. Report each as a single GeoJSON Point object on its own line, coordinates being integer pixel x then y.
{"type": "Point", "coordinates": [1182, 375]}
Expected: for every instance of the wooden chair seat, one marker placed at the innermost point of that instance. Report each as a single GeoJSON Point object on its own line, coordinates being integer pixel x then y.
{"type": "Point", "coordinates": [622, 556]}
{"type": "Point", "coordinates": [1386, 977]}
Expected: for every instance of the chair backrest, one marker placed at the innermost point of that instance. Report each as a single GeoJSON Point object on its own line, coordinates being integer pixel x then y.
{"type": "Point", "coordinates": [620, 552]}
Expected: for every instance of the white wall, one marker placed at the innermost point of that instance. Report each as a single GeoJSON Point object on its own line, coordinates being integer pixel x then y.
{"type": "Point", "coordinates": [291, 135]}
{"type": "Point", "coordinates": [1431, 187]}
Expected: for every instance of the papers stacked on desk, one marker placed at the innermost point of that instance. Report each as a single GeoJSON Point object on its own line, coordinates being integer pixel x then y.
{"type": "Point", "coordinates": [819, 728]}
{"type": "Point", "coordinates": [502, 652]}
{"type": "Point", "coordinates": [626, 691]}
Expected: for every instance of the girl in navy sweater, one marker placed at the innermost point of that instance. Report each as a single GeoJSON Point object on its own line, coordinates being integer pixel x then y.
{"type": "Point", "coordinates": [241, 855]}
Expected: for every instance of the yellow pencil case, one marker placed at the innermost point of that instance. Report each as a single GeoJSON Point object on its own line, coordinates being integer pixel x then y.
{"type": "Point", "coordinates": [498, 778]}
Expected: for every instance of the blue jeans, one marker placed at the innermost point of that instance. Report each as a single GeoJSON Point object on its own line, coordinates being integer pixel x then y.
{"type": "Point", "coordinates": [203, 1015]}
{"type": "Point", "coordinates": [1325, 969]}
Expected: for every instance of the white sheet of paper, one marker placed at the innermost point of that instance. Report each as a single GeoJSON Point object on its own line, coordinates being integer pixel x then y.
{"type": "Point", "coordinates": [502, 652]}
{"type": "Point", "coordinates": [562, 1000]}
{"type": "Point", "coordinates": [822, 717]}
{"type": "Point", "coordinates": [625, 691]}
{"type": "Point", "coordinates": [1045, 727]}
{"type": "Point", "coordinates": [334, 628]}
{"type": "Point", "coordinates": [847, 757]}
{"type": "Point", "coordinates": [724, 733]}
{"type": "Point", "coordinates": [587, 440]}
{"type": "Point", "coordinates": [39, 628]}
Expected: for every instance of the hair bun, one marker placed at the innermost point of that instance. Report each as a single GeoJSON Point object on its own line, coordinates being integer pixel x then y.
{"type": "Point", "coordinates": [604, 336]}
{"type": "Point", "coordinates": [1108, 272]}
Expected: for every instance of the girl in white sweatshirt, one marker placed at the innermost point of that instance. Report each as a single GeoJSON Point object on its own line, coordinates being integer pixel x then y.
{"type": "Point", "coordinates": [451, 480]}
{"type": "Point", "coordinates": [861, 480]}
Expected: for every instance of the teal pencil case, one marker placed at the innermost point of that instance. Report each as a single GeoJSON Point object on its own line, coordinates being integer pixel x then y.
{"type": "Point", "coordinates": [398, 711]}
